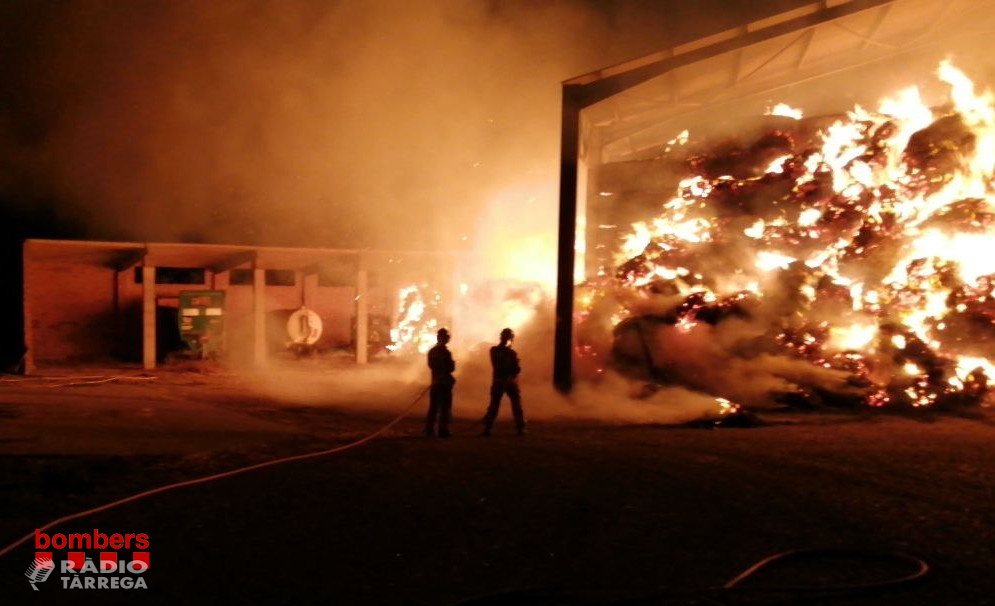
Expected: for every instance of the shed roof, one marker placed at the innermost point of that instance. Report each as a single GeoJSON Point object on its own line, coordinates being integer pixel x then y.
{"type": "Point", "coordinates": [640, 104]}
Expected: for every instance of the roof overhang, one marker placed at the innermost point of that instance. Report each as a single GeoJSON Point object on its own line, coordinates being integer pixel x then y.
{"type": "Point", "coordinates": [214, 257]}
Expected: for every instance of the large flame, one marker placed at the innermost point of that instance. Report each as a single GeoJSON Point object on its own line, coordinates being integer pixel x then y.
{"type": "Point", "coordinates": [474, 312]}
{"type": "Point", "coordinates": [417, 320]}
{"type": "Point", "coordinates": [877, 243]}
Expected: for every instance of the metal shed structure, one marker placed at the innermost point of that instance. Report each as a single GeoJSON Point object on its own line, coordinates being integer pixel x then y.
{"type": "Point", "coordinates": [827, 55]}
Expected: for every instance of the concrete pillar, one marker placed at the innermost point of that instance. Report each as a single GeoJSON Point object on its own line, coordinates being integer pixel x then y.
{"type": "Point", "coordinates": [116, 293]}
{"type": "Point", "coordinates": [29, 333]}
{"type": "Point", "coordinates": [259, 315]}
{"type": "Point", "coordinates": [220, 281]}
{"type": "Point", "coordinates": [148, 317]}
{"type": "Point", "coordinates": [362, 314]}
{"type": "Point", "coordinates": [563, 339]}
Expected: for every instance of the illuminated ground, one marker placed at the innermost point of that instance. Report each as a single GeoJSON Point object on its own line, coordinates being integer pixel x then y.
{"type": "Point", "coordinates": [406, 520]}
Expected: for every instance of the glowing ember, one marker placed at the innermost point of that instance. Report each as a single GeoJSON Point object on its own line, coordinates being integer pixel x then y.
{"type": "Point", "coordinates": [866, 249]}
{"type": "Point", "coordinates": [727, 407]}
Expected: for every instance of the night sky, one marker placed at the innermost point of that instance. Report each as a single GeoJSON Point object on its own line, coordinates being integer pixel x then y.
{"type": "Point", "coordinates": [318, 122]}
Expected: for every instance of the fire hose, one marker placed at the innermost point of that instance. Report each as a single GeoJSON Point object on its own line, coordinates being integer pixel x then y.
{"type": "Point", "coordinates": [217, 476]}
{"type": "Point", "coordinates": [734, 589]}
{"type": "Point", "coordinates": [558, 596]}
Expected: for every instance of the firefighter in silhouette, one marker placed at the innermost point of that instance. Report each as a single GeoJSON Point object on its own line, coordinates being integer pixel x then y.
{"type": "Point", "coordinates": [504, 362]}
{"type": "Point", "coordinates": [440, 395]}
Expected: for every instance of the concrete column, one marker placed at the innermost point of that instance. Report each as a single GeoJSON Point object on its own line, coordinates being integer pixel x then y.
{"type": "Point", "coordinates": [259, 315]}
{"type": "Point", "coordinates": [362, 314]}
{"type": "Point", "coordinates": [567, 240]}
{"type": "Point", "coordinates": [116, 293]}
{"type": "Point", "coordinates": [148, 317]}
{"type": "Point", "coordinates": [220, 281]}
{"type": "Point", "coordinates": [29, 333]}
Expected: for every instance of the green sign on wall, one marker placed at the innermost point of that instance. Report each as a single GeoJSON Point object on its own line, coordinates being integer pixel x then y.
{"type": "Point", "coordinates": [202, 321]}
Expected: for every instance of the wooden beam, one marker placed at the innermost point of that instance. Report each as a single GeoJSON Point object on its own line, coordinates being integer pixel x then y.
{"type": "Point", "coordinates": [148, 317]}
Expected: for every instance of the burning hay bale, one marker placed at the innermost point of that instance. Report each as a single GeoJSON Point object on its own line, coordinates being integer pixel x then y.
{"type": "Point", "coordinates": [850, 264]}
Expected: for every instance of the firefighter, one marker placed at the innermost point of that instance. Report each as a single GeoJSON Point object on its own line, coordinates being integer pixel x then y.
{"type": "Point", "coordinates": [504, 362]}
{"type": "Point", "coordinates": [440, 395]}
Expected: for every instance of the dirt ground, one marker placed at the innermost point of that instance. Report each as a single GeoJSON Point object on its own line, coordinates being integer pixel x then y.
{"type": "Point", "coordinates": [599, 509]}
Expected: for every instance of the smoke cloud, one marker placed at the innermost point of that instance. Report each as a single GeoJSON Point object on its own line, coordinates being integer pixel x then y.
{"type": "Point", "coordinates": [347, 123]}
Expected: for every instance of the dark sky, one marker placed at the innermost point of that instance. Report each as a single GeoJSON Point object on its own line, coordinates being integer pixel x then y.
{"type": "Point", "coordinates": [408, 123]}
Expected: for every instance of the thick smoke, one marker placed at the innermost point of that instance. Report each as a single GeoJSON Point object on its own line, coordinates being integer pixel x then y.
{"type": "Point", "coordinates": [425, 125]}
